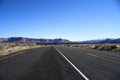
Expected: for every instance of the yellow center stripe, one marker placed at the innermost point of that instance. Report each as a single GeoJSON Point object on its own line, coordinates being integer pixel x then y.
{"type": "Point", "coordinates": [106, 59]}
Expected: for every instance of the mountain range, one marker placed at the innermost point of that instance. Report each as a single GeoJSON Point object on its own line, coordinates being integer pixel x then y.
{"type": "Point", "coordinates": [107, 40]}
{"type": "Point", "coordinates": [59, 40]}
{"type": "Point", "coordinates": [31, 40]}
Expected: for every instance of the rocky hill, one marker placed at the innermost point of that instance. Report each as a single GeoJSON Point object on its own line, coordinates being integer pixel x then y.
{"type": "Point", "coordinates": [108, 40]}
{"type": "Point", "coordinates": [31, 40]}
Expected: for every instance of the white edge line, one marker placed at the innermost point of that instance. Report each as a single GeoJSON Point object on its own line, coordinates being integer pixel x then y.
{"type": "Point", "coordinates": [72, 65]}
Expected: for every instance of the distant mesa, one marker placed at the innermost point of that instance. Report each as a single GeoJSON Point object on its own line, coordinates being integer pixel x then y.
{"type": "Point", "coordinates": [31, 40]}
{"type": "Point", "coordinates": [107, 40]}
{"type": "Point", "coordinates": [59, 40]}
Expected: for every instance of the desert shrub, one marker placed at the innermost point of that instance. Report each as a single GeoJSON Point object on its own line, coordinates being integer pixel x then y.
{"type": "Point", "coordinates": [105, 47]}
{"type": "Point", "coordinates": [96, 47]}
{"type": "Point", "coordinates": [76, 46]}
{"type": "Point", "coordinates": [0, 47]}
{"type": "Point", "coordinates": [109, 47]}
{"type": "Point", "coordinates": [113, 47]}
{"type": "Point", "coordinates": [13, 45]}
{"type": "Point", "coordinates": [38, 43]}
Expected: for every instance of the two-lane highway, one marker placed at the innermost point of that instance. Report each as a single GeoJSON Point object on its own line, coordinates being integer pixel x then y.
{"type": "Point", "coordinates": [47, 63]}
{"type": "Point", "coordinates": [96, 65]}
{"type": "Point", "coordinates": [38, 64]}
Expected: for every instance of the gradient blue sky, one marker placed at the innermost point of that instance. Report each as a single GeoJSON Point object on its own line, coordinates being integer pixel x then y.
{"type": "Point", "coordinates": [76, 20]}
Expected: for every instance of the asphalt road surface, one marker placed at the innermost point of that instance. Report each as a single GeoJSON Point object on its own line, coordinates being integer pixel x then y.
{"type": "Point", "coordinates": [60, 63]}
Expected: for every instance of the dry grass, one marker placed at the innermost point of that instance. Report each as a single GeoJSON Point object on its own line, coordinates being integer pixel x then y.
{"type": "Point", "coordinates": [6, 49]}
{"type": "Point", "coordinates": [105, 47]}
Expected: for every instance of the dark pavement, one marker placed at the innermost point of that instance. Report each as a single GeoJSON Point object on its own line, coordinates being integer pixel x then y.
{"type": "Point", "coordinates": [38, 64]}
{"type": "Point", "coordinates": [96, 65]}
{"type": "Point", "coordinates": [47, 64]}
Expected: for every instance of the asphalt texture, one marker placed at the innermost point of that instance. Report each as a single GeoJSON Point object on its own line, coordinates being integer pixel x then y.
{"type": "Point", "coordinates": [38, 64]}
{"type": "Point", "coordinates": [96, 65]}
{"type": "Point", "coordinates": [46, 63]}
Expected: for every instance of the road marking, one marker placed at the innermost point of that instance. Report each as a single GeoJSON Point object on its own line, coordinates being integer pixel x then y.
{"type": "Point", "coordinates": [103, 58]}
{"type": "Point", "coordinates": [72, 64]}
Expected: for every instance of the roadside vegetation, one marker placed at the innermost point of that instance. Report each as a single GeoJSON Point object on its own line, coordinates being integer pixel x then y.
{"type": "Point", "coordinates": [104, 47]}
{"type": "Point", "coordinates": [108, 47]}
{"type": "Point", "coordinates": [8, 48]}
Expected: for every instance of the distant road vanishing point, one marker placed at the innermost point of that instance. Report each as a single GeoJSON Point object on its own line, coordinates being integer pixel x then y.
{"type": "Point", "coordinates": [61, 63]}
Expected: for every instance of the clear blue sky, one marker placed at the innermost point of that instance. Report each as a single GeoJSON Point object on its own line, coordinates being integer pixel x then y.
{"type": "Point", "coordinates": [75, 20]}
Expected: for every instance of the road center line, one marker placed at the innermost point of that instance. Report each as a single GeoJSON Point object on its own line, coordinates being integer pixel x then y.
{"type": "Point", "coordinates": [102, 58]}
{"type": "Point", "coordinates": [72, 64]}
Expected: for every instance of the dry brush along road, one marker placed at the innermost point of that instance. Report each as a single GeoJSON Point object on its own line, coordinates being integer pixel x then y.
{"type": "Point", "coordinates": [61, 63]}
